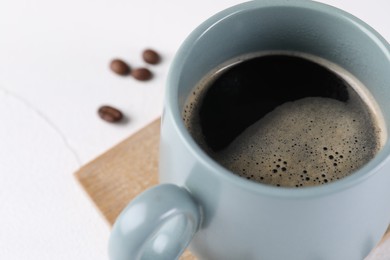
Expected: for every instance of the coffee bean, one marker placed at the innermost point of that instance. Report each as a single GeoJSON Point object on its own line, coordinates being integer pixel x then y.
{"type": "Point", "coordinates": [110, 114]}
{"type": "Point", "coordinates": [120, 67]}
{"type": "Point", "coordinates": [151, 56]}
{"type": "Point", "coordinates": [142, 74]}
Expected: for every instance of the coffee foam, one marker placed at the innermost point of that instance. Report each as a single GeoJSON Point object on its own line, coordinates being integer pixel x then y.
{"type": "Point", "coordinates": [305, 156]}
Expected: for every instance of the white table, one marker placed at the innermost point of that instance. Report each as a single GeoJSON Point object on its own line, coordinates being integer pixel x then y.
{"type": "Point", "coordinates": [54, 74]}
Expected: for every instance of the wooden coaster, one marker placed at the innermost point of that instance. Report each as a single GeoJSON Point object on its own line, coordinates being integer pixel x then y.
{"type": "Point", "coordinates": [113, 179]}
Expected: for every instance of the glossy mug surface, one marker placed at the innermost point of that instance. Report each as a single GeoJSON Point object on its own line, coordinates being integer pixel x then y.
{"type": "Point", "coordinates": [221, 216]}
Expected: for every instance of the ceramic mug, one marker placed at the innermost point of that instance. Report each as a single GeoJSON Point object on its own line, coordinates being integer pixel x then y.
{"type": "Point", "coordinates": [222, 216]}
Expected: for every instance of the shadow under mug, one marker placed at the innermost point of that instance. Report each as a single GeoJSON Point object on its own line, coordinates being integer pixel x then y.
{"type": "Point", "coordinates": [221, 216]}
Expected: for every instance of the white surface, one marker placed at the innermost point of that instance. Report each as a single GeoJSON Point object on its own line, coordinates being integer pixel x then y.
{"type": "Point", "coordinates": [54, 74]}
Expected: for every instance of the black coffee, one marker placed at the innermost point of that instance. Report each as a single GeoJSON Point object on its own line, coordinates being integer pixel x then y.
{"type": "Point", "coordinates": [284, 119]}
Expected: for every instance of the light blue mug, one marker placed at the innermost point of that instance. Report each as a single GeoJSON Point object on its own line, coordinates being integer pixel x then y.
{"type": "Point", "coordinates": [221, 216]}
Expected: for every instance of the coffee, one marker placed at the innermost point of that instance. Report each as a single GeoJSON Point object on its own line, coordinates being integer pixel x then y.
{"type": "Point", "coordinates": [284, 119]}
{"type": "Point", "coordinates": [142, 74]}
{"type": "Point", "coordinates": [120, 67]}
{"type": "Point", "coordinates": [151, 56]}
{"type": "Point", "coordinates": [110, 114]}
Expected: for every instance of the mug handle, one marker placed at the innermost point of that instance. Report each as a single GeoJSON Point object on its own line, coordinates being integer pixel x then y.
{"type": "Point", "coordinates": [158, 224]}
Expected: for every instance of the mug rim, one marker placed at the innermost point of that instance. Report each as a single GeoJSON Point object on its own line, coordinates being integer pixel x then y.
{"type": "Point", "coordinates": [172, 107]}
